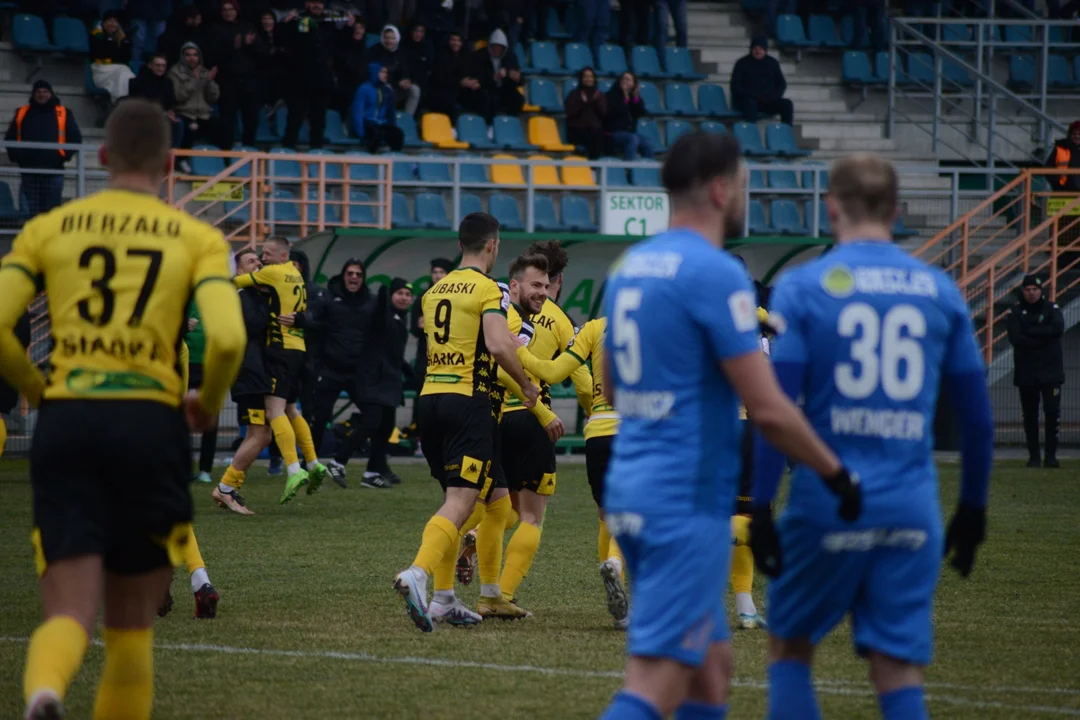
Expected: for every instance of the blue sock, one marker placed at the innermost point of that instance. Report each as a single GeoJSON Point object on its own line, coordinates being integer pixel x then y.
{"type": "Point", "coordinates": [903, 704]}
{"type": "Point", "coordinates": [791, 692]}
{"type": "Point", "coordinates": [627, 706]}
{"type": "Point", "coordinates": [692, 710]}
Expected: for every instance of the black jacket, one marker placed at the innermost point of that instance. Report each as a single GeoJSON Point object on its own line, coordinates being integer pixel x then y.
{"type": "Point", "coordinates": [481, 68]}
{"type": "Point", "coordinates": [219, 46]}
{"type": "Point", "coordinates": [150, 86]}
{"type": "Point", "coordinates": [105, 48]}
{"type": "Point", "coordinates": [385, 367]}
{"type": "Point", "coordinates": [622, 116]}
{"type": "Point", "coordinates": [396, 63]}
{"type": "Point", "coordinates": [351, 63]}
{"type": "Point", "coordinates": [1035, 332]}
{"type": "Point", "coordinates": [178, 33]}
{"type": "Point", "coordinates": [309, 50]}
{"type": "Point", "coordinates": [1072, 182]}
{"type": "Point", "coordinates": [39, 125]}
{"type": "Point", "coordinates": [761, 80]}
{"type": "Point", "coordinates": [9, 396]}
{"type": "Point", "coordinates": [420, 58]}
{"type": "Point", "coordinates": [253, 379]}
{"type": "Point", "coordinates": [343, 322]}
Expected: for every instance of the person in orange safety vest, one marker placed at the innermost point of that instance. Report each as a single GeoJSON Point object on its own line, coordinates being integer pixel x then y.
{"type": "Point", "coordinates": [1066, 154]}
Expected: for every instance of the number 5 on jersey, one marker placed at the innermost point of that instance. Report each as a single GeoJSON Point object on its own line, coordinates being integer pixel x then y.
{"type": "Point", "coordinates": [625, 337]}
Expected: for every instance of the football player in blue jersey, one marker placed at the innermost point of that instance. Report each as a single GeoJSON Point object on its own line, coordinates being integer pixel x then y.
{"type": "Point", "coordinates": [867, 334]}
{"type": "Point", "coordinates": [684, 348]}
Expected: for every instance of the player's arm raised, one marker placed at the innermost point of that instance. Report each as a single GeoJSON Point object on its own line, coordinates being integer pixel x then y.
{"type": "Point", "coordinates": [20, 280]}
{"type": "Point", "coordinates": [223, 325]}
{"type": "Point", "coordinates": [503, 347]}
{"type": "Point", "coordinates": [550, 371]}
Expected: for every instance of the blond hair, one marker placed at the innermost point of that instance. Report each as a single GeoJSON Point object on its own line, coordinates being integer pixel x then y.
{"type": "Point", "coordinates": [138, 138]}
{"type": "Point", "coordinates": [865, 187]}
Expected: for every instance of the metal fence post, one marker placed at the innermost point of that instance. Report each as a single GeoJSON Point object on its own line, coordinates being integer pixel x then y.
{"type": "Point", "coordinates": [893, 57]}
{"type": "Point", "coordinates": [938, 66]}
{"type": "Point", "coordinates": [455, 193]}
{"type": "Point", "coordinates": [530, 194]}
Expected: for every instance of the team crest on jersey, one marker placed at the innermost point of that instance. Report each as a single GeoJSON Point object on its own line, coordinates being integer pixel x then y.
{"type": "Point", "coordinates": [838, 281]}
{"type": "Point", "coordinates": [743, 311]}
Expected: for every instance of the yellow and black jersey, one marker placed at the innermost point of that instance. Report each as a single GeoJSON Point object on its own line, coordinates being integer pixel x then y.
{"type": "Point", "coordinates": [587, 345]}
{"type": "Point", "coordinates": [457, 357]}
{"type": "Point", "coordinates": [552, 333]}
{"type": "Point", "coordinates": [119, 268]}
{"type": "Point", "coordinates": [522, 328]}
{"type": "Point", "coordinates": [288, 295]}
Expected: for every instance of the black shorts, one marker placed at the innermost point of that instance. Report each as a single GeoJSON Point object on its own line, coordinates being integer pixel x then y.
{"type": "Point", "coordinates": [286, 370]}
{"type": "Point", "coordinates": [528, 457]}
{"type": "Point", "coordinates": [250, 410]}
{"type": "Point", "coordinates": [111, 478]}
{"type": "Point", "coordinates": [459, 441]}
{"type": "Point", "coordinates": [195, 375]}
{"type": "Point", "coordinates": [744, 502]}
{"type": "Point", "coordinates": [597, 458]}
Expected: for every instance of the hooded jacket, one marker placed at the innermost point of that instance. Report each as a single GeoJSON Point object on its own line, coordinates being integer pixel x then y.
{"type": "Point", "coordinates": [40, 125]}
{"type": "Point", "coordinates": [395, 60]}
{"type": "Point", "coordinates": [483, 65]}
{"type": "Point", "coordinates": [1066, 155]}
{"type": "Point", "coordinates": [1035, 331]}
{"type": "Point", "coordinates": [385, 365]}
{"type": "Point", "coordinates": [419, 57]}
{"type": "Point", "coordinates": [762, 80]}
{"type": "Point", "coordinates": [373, 102]}
{"type": "Point", "coordinates": [344, 320]}
{"type": "Point", "coordinates": [195, 92]}
{"type": "Point", "coordinates": [152, 87]}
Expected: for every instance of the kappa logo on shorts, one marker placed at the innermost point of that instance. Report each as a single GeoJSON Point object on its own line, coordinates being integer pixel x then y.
{"type": "Point", "coordinates": [256, 417]}
{"type": "Point", "coordinates": [471, 469]}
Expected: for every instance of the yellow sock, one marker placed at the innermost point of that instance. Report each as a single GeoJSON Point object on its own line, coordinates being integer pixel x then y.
{"type": "Point", "coordinates": [234, 478]}
{"type": "Point", "coordinates": [489, 542]}
{"type": "Point", "coordinates": [475, 518]}
{"type": "Point", "coordinates": [439, 535]}
{"type": "Point", "coordinates": [603, 542]}
{"type": "Point", "coordinates": [742, 559]}
{"type": "Point", "coordinates": [192, 557]}
{"type": "Point", "coordinates": [512, 519]}
{"type": "Point", "coordinates": [126, 691]}
{"type": "Point", "coordinates": [3, 436]}
{"type": "Point", "coordinates": [740, 529]}
{"type": "Point", "coordinates": [286, 439]}
{"type": "Point", "coordinates": [615, 552]}
{"type": "Point", "coordinates": [520, 553]}
{"type": "Point", "coordinates": [55, 654]}
{"type": "Point", "coordinates": [444, 569]}
{"type": "Point", "coordinates": [303, 438]}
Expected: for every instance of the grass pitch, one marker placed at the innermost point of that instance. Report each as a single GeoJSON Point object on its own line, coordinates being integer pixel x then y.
{"type": "Point", "coordinates": [308, 626]}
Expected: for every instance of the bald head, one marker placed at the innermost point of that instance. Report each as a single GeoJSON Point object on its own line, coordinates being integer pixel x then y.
{"type": "Point", "coordinates": [275, 250]}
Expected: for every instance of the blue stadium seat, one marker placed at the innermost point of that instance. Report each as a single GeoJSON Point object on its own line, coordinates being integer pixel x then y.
{"type": "Point", "coordinates": [881, 67]}
{"type": "Point", "coordinates": [265, 134]}
{"type": "Point", "coordinates": [505, 209]}
{"type": "Point", "coordinates": [757, 180]}
{"type": "Point", "coordinates": [335, 130]}
{"type": "Point", "coordinates": [400, 214]}
{"type": "Point", "coordinates": [680, 65]}
{"type": "Point", "coordinates": [650, 95]}
{"type": "Point", "coordinates": [471, 203]}
{"type": "Point", "coordinates": [714, 127]}
{"type": "Point", "coordinates": [543, 93]}
{"type": "Point", "coordinates": [403, 170]}
{"type": "Point", "coordinates": [284, 170]}
{"type": "Point", "coordinates": [847, 33]}
{"type": "Point", "coordinates": [1058, 72]}
{"type": "Point", "coordinates": [434, 172]}
{"type": "Point", "coordinates": [362, 172]}
{"type": "Point", "coordinates": [807, 179]}
{"type": "Point", "coordinates": [783, 180]}
{"type": "Point", "coordinates": [900, 230]}
{"type": "Point", "coordinates": [578, 56]}
{"type": "Point", "coordinates": [545, 60]}
{"type": "Point", "coordinates": [554, 27]}
{"type": "Point", "coordinates": [1019, 34]}
{"type": "Point", "coordinates": [675, 129]}
{"type": "Point", "coordinates": [646, 177]}
{"type": "Point", "coordinates": [334, 171]}
{"type": "Point", "coordinates": [70, 36]}
{"type": "Point", "coordinates": [207, 166]}
{"type": "Point", "coordinates": [331, 212]}
{"type": "Point", "coordinates": [473, 130]}
{"type": "Point", "coordinates": [8, 211]}
{"type": "Point", "coordinates": [855, 69]}
{"type": "Point", "coordinates": [1021, 72]}
{"type": "Point", "coordinates": [920, 69]}
{"type": "Point", "coordinates": [612, 60]}
{"type": "Point", "coordinates": [956, 33]}
{"type": "Point", "coordinates": [407, 123]}
{"type": "Point", "coordinates": [823, 32]}
{"type": "Point", "coordinates": [28, 33]}
{"type": "Point", "coordinates": [824, 228]}
{"type": "Point", "coordinates": [431, 211]}
{"type": "Point", "coordinates": [285, 207]}
{"type": "Point", "coordinates": [544, 219]}
{"type": "Point", "coordinates": [679, 100]}
{"type": "Point", "coordinates": [360, 213]}
{"type": "Point", "coordinates": [575, 214]}
{"type": "Point", "coordinates": [648, 128]}
{"type": "Point", "coordinates": [790, 33]}
{"type": "Point", "coordinates": [780, 139]}
{"type": "Point", "coordinates": [616, 177]}
{"type": "Point", "coordinates": [475, 174]}
{"type": "Point", "coordinates": [712, 101]}
{"type": "Point", "coordinates": [1076, 68]}
{"type": "Point", "coordinates": [785, 218]}
{"type": "Point", "coordinates": [236, 212]}
{"type": "Point", "coordinates": [645, 62]}
{"type": "Point", "coordinates": [372, 39]}
{"type": "Point", "coordinates": [758, 226]}
{"type": "Point", "coordinates": [509, 134]}
{"type": "Point", "coordinates": [604, 85]}
{"type": "Point", "coordinates": [749, 138]}
{"type": "Point", "coordinates": [954, 75]}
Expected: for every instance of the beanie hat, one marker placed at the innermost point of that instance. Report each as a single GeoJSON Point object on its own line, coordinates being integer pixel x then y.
{"type": "Point", "coordinates": [760, 41]}
{"type": "Point", "coordinates": [398, 284]}
{"type": "Point", "coordinates": [1075, 127]}
{"type": "Point", "coordinates": [1031, 281]}
{"type": "Point", "coordinates": [442, 264]}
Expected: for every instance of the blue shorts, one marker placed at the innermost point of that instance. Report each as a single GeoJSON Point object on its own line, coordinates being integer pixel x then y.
{"type": "Point", "coordinates": [678, 569]}
{"type": "Point", "coordinates": [884, 577]}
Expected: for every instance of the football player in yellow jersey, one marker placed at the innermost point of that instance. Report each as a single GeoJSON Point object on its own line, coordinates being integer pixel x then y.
{"type": "Point", "coordinates": [285, 362]}
{"type": "Point", "coordinates": [109, 464]}
{"type": "Point", "coordinates": [600, 431]}
{"type": "Point", "coordinates": [467, 333]}
{"type": "Point", "coordinates": [9, 396]}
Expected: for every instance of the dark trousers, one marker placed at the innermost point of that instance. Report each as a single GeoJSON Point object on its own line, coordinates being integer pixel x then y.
{"type": "Point", "coordinates": [751, 107]}
{"type": "Point", "coordinates": [1050, 395]}
{"type": "Point", "coordinates": [592, 139]}
{"type": "Point", "coordinates": [245, 100]}
{"type": "Point", "coordinates": [208, 442]}
{"type": "Point", "coordinates": [307, 105]}
{"type": "Point", "coordinates": [869, 15]}
{"type": "Point", "coordinates": [593, 18]}
{"type": "Point", "coordinates": [677, 10]}
{"type": "Point", "coordinates": [634, 23]}
{"type": "Point", "coordinates": [328, 388]}
{"type": "Point", "coordinates": [41, 193]}
{"type": "Point", "coordinates": [206, 131]}
{"type": "Point", "coordinates": [376, 423]}
{"type": "Point", "coordinates": [376, 134]}
{"type": "Point", "coordinates": [489, 102]}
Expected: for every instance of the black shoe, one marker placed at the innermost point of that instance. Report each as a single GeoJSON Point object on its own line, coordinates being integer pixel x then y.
{"type": "Point", "coordinates": [166, 606]}
{"type": "Point", "coordinates": [337, 474]}
{"type": "Point", "coordinates": [376, 481]}
{"type": "Point", "coordinates": [1034, 462]}
{"type": "Point", "coordinates": [1051, 462]}
{"type": "Point", "coordinates": [392, 477]}
{"type": "Point", "coordinates": [206, 600]}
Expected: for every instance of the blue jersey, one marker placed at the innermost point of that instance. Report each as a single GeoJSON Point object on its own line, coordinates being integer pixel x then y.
{"type": "Point", "coordinates": [676, 307]}
{"type": "Point", "coordinates": [875, 330]}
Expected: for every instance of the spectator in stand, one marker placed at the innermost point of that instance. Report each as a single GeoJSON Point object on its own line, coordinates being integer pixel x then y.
{"type": "Point", "coordinates": [391, 55]}
{"type": "Point", "coordinates": [44, 120]}
{"type": "Point", "coordinates": [449, 78]}
{"type": "Point", "coordinates": [499, 76]}
{"type": "Point", "coordinates": [758, 85]}
{"type": "Point", "coordinates": [677, 10]}
{"type": "Point", "coordinates": [148, 19]}
{"type": "Point", "coordinates": [586, 110]}
{"type": "Point", "coordinates": [275, 69]}
{"type": "Point", "coordinates": [634, 22]}
{"type": "Point", "coordinates": [241, 76]}
{"type": "Point", "coordinates": [184, 27]}
{"type": "Point", "coordinates": [219, 42]}
{"type": "Point", "coordinates": [196, 92]}
{"type": "Point", "coordinates": [419, 56]}
{"type": "Point", "coordinates": [153, 83]}
{"type": "Point", "coordinates": [110, 53]}
{"type": "Point", "coordinates": [372, 116]}
{"type": "Point", "coordinates": [310, 38]}
{"type": "Point", "coordinates": [351, 60]}
{"type": "Point", "coordinates": [624, 108]}
{"type": "Point", "coordinates": [1066, 156]}
{"type": "Point", "coordinates": [593, 18]}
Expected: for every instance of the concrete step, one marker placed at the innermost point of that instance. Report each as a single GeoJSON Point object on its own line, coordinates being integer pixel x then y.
{"type": "Point", "coordinates": [863, 131]}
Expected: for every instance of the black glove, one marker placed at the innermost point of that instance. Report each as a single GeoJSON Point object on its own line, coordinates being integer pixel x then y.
{"type": "Point", "coordinates": [967, 531]}
{"type": "Point", "coordinates": [846, 486]}
{"type": "Point", "coordinates": [765, 542]}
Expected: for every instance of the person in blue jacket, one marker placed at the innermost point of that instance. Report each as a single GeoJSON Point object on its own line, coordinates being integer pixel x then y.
{"type": "Point", "coordinates": [372, 118]}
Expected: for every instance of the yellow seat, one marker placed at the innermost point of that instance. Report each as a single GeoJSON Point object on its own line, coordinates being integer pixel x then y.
{"type": "Point", "coordinates": [544, 132]}
{"type": "Point", "coordinates": [436, 129]}
{"type": "Point", "coordinates": [578, 176]}
{"type": "Point", "coordinates": [527, 107]}
{"type": "Point", "coordinates": [544, 174]}
{"type": "Point", "coordinates": [505, 173]}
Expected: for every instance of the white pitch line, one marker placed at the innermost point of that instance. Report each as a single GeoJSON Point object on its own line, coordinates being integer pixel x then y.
{"type": "Point", "coordinates": [825, 687]}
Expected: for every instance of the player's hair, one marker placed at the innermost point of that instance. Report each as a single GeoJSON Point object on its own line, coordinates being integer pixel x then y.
{"type": "Point", "coordinates": [475, 231]}
{"type": "Point", "coordinates": [698, 157]}
{"type": "Point", "coordinates": [528, 260]}
{"type": "Point", "coordinates": [138, 138]}
{"type": "Point", "coordinates": [865, 187]}
{"type": "Point", "coordinates": [246, 251]}
{"type": "Point", "coordinates": [278, 240]}
{"type": "Point", "coordinates": [557, 259]}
